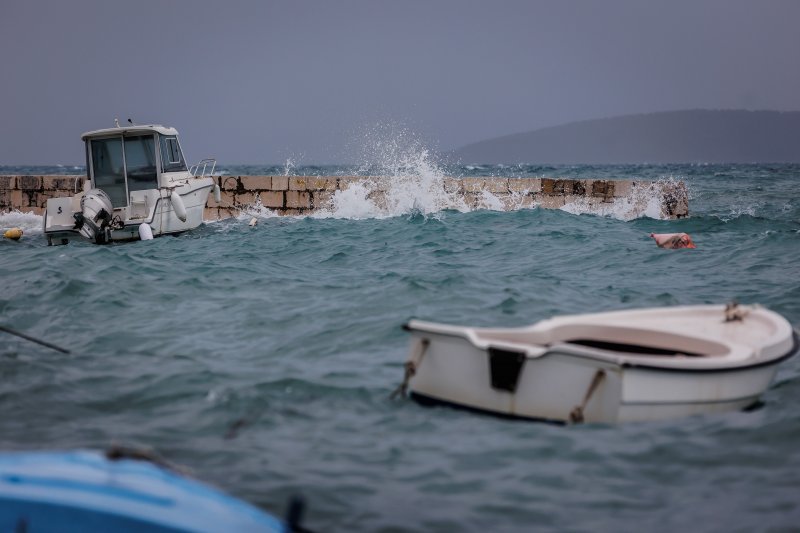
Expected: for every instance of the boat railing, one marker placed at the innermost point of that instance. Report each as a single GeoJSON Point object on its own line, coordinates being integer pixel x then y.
{"type": "Point", "coordinates": [202, 166]}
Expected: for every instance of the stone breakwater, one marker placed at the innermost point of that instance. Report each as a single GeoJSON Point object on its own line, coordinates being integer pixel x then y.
{"type": "Point", "coordinates": [298, 195]}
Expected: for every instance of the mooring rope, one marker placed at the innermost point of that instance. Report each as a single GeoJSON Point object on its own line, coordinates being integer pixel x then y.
{"type": "Point", "coordinates": [116, 452]}
{"type": "Point", "coordinates": [411, 368]}
{"type": "Point", "coordinates": [576, 416]}
{"type": "Point", "coordinates": [33, 339]}
{"type": "Point", "coordinates": [734, 313]}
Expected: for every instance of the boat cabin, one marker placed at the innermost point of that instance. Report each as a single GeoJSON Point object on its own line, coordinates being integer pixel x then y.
{"type": "Point", "coordinates": [126, 159]}
{"type": "Point", "coordinates": [138, 186]}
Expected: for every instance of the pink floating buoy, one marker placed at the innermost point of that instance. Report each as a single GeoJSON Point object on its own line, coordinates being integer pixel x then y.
{"type": "Point", "coordinates": [673, 240]}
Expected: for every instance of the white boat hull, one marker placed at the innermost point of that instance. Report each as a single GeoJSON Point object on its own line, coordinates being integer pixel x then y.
{"type": "Point", "coordinates": [482, 370]}
{"type": "Point", "coordinates": [136, 177]}
{"type": "Point", "coordinates": [156, 209]}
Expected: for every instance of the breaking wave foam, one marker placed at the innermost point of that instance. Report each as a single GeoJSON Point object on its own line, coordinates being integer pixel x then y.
{"type": "Point", "coordinates": [414, 182]}
{"type": "Point", "coordinates": [411, 181]}
{"type": "Point", "coordinates": [27, 222]}
{"type": "Point", "coordinates": [642, 201]}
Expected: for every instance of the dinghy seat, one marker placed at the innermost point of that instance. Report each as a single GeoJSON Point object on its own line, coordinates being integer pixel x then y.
{"type": "Point", "coordinates": [633, 348]}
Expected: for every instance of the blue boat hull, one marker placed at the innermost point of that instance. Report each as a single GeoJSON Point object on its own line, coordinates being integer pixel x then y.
{"type": "Point", "coordinates": [84, 491]}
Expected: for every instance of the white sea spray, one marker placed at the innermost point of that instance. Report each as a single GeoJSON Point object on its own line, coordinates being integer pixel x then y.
{"type": "Point", "coordinates": [644, 200]}
{"type": "Point", "coordinates": [256, 210]}
{"type": "Point", "coordinates": [400, 177]}
{"type": "Point", "coordinates": [28, 222]}
{"type": "Point", "coordinates": [289, 166]}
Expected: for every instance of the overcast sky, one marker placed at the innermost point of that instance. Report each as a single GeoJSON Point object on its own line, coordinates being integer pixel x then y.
{"type": "Point", "coordinates": [257, 82]}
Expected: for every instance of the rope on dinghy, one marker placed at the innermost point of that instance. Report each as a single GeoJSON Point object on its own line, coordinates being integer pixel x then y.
{"type": "Point", "coordinates": [576, 415]}
{"type": "Point", "coordinates": [411, 368]}
{"type": "Point", "coordinates": [117, 452]}
{"type": "Point", "coordinates": [735, 313]}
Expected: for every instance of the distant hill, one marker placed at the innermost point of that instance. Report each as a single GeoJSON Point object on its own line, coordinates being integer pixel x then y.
{"type": "Point", "coordinates": [697, 136]}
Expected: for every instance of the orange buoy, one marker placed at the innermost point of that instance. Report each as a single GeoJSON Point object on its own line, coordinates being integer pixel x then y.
{"type": "Point", "coordinates": [673, 240]}
{"type": "Point", "coordinates": [14, 234]}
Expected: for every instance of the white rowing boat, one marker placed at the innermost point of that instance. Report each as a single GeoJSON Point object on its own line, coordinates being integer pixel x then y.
{"type": "Point", "coordinates": [620, 366]}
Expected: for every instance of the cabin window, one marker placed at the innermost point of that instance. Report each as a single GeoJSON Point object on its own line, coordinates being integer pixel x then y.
{"type": "Point", "coordinates": [140, 162]}
{"type": "Point", "coordinates": [108, 167]}
{"type": "Point", "coordinates": [171, 156]}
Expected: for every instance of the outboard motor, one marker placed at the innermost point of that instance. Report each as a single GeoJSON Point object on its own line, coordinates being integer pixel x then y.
{"type": "Point", "coordinates": [95, 217]}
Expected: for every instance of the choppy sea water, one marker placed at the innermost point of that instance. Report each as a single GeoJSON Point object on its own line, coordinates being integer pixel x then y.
{"type": "Point", "coordinates": [262, 358]}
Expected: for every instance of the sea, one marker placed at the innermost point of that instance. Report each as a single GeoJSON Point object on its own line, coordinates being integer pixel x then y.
{"type": "Point", "coordinates": [261, 359]}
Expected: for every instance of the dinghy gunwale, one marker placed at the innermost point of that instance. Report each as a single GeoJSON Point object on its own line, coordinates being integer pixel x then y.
{"type": "Point", "coordinates": [737, 357]}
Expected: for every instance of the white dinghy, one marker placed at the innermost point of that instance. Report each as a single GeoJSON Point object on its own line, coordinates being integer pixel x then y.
{"type": "Point", "coordinates": [137, 186]}
{"type": "Point", "coordinates": [621, 366]}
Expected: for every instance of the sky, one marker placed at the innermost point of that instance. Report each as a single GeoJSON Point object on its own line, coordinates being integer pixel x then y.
{"type": "Point", "coordinates": [264, 81]}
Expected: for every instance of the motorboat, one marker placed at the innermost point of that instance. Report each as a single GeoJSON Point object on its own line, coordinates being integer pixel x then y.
{"type": "Point", "coordinates": [618, 366]}
{"type": "Point", "coordinates": [137, 186]}
{"type": "Point", "coordinates": [86, 490]}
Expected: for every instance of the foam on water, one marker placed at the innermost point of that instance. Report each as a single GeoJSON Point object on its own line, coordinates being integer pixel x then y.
{"type": "Point", "coordinates": [737, 211]}
{"type": "Point", "coordinates": [256, 210]}
{"type": "Point", "coordinates": [27, 222]}
{"type": "Point", "coordinates": [640, 202]}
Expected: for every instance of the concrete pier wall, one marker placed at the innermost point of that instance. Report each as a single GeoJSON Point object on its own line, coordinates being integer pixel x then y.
{"type": "Point", "coordinates": [296, 195]}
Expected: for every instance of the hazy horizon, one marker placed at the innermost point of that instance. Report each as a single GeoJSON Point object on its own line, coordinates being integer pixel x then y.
{"type": "Point", "coordinates": [263, 82]}
{"type": "Point", "coordinates": [688, 136]}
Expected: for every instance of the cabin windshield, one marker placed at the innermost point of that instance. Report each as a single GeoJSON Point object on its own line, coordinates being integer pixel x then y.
{"type": "Point", "coordinates": [108, 169]}
{"type": "Point", "coordinates": [140, 162]}
{"type": "Point", "coordinates": [171, 155]}
{"type": "Point", "coordinates": [121, 165]}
